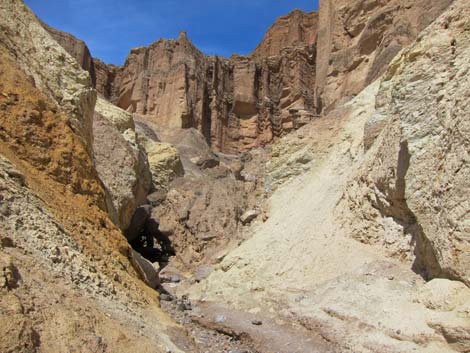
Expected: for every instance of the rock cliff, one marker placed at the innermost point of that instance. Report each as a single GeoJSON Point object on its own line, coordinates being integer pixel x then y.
{"type": "Point", "coordinates": [238, 103]}
{"type": "Point", "coordinates": [297, 28]}
{"type": "Point", "coordinates": [358, 39]}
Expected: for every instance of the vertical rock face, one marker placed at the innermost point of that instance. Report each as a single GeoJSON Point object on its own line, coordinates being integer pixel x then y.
{"type": "Point", "coordinates": [297, 28]}
{"type": "Point", "coordinates": [237, 103]}
{"type": "Point", "coordinates": [104, 77]}
{"type": "Point", "coordinates": [358, 39]}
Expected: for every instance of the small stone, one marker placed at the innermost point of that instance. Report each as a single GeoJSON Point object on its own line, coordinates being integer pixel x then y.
{"type": "Point", "coordinates": [175, 279]}
{"type": "Point", "coordinates": [7, 242]}
{"type": "Point", "coordinates": [5, 210]}
{"type": "Point", "coordinates": [220, 318]}
{"type": "Point", "coordinates": [257, 322]}
{"type": "Point", "coordinates": [208, 237]}
{"type": "Point", "coordinates": [166, 297]}
{"type": "Point", "coordinates": [249, 216]}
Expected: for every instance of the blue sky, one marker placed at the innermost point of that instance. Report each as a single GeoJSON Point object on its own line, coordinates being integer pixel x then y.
{"type": "Point", "coordinates": [112, 27]}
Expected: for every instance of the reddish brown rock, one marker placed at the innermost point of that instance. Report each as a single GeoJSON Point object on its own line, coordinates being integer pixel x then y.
{"type": "Point", "coordinates": [297, 28]}
{"type": "Point", "coordinates": [237, 104]}
{"type": "Point", "coordinates": [104, 77]}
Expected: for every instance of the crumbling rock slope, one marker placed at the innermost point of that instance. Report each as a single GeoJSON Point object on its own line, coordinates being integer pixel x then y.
{"type": "Point", "coordinates": [68, 278]}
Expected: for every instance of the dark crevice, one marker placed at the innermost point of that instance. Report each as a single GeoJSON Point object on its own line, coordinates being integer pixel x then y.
{"type": "Point", "coordinates": [146, 238]}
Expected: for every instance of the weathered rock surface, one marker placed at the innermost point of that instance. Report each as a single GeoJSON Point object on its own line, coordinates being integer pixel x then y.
{"type": "Point", "coordinates": [67, 282]}
{"type": "Point", "coordinates": [358, 39]}
{"type": "Point", "coordinates": [412, 187]}
{"type": "Point", "coordinates": [120, 161]}
{"type": "Point", "coordinates": [302, 264]}
{"type": "Point", "coordinates": [77, 48]}
{"type": "Point", "coordinates": [297, 28]}
{"type": "Point", "coordinates": [164, 159]}
{"type": "Point", "coordinates": [237, 103]}
{"type": "Point", "coordinates": [64, 81]}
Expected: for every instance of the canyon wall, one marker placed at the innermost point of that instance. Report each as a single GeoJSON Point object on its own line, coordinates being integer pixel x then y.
{"type": "Point", "coordinates": [305, 65]}
{"type": "Point", "coordinates": [412, 188]}
{"type": "Point", "coordinates": [237, 103]}
{"type": "Point", "coordinates": [358, 39]}
{"type": "Point", "coordinates": [296, 28]}
{"type": "Point", "coordinates": [69, 279]}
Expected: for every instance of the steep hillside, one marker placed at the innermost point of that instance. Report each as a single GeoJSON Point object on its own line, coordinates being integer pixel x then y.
{"type": "Point", "coordinates": [69, 281]}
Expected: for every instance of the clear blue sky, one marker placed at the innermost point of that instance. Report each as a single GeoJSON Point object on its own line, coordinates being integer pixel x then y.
{"type": "Point", "coordinates": [112, 27]}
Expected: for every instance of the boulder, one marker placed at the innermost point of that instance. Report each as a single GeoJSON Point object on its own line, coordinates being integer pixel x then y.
{"type": "Point", "coordinates": [147, 271]}
{"type": "Point", "coordinates": [165, 164]}
{"type": "Point", "coordinates": [120, 161]}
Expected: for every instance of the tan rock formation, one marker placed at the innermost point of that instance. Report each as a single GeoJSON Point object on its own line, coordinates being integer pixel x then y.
{"type": "Point", "coordinates": [237, 103]}
{"type": "Point", "coordinates": [358, 39]}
